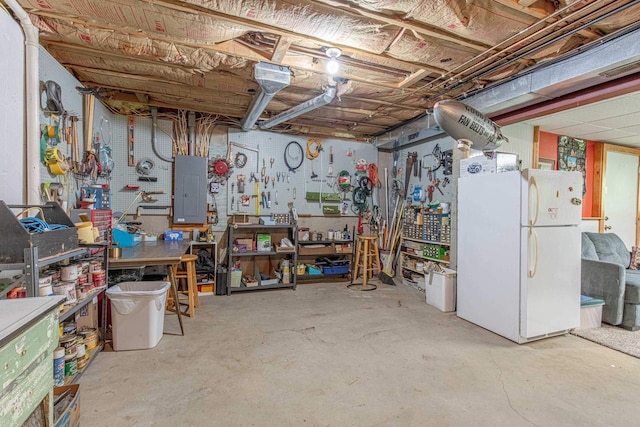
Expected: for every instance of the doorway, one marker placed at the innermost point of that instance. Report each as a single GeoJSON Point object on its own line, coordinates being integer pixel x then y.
{"type": "Point", "coordinates": [620, 194]}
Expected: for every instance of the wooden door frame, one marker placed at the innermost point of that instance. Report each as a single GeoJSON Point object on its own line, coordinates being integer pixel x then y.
{"type": "Point", "coordinates": [600, 169]}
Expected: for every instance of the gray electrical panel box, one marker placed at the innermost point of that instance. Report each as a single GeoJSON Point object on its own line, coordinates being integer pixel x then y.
{"type": "Point", "coordinates": [190, 190]}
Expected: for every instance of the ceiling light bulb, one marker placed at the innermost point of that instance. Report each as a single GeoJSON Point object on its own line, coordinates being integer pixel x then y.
{"type": "Point", "coordinates": [332, 66]}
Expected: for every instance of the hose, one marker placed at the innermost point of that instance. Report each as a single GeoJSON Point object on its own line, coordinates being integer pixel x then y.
{"type": "Point", "coordinates": [287, 154]}
{"type": "Point", "coordinates": [318, 147]}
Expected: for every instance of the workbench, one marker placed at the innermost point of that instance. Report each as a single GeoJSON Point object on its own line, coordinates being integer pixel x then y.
{"type": "Point", "coordinates": [28, 336]}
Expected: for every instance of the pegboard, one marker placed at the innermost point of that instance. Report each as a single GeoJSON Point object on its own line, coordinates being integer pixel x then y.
{"type": "Point", "coordinates": [293, 186]}
{"type": "Point", "coordinates": [124, 175]}
{"type": "Point", "coordinates": [50, 69]}
{"type": "Point", "coordinates": [425, 155]}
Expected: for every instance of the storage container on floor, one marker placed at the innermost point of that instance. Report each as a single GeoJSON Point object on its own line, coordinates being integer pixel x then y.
{"type": "Point", "coordinates": [137, 314]}
{"type": "Point", "coordinates": [440, 290]}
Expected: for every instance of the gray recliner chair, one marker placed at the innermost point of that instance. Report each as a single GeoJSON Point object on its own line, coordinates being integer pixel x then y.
{"type": "Point", "coordinates": [606, 275]}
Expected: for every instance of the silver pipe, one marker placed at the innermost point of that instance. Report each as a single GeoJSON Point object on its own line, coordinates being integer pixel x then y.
{"type": "Point", "coordinates": [154, 136]}
{"type": "Point", "coordinates": [192, 132]}
{"type": "Point", "coordinates": [299, 110]}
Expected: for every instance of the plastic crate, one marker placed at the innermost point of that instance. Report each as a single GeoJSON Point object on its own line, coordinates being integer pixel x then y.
{"type": "Point", "coordinates": [337, 269]}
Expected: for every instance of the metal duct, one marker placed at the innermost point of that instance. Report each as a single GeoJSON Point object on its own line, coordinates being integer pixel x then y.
{"type": "Point", "coordinates": [299, 110]}
{"type": "Point", "coordinates": [584, 70]}
{"type": "Point", "coordinates": [271, 79]}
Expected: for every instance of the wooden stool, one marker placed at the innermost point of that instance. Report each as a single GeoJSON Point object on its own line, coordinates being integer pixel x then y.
{"type": "Point", "coordinates": [188, 273]}
{"type": "Point", "coordinates": [367, 259]}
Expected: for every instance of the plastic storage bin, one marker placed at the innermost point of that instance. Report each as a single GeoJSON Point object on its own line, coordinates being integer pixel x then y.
{"type": "Point", "coordinates": [441, 292]}
{"type": "Point", "coordinates": [137, 314]}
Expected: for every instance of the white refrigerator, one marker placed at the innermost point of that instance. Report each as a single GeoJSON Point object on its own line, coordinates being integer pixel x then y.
{"type": "Point", "coordinates": [518, 254]}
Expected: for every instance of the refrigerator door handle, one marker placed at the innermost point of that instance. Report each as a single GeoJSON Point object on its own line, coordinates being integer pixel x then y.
{"type": "Point", "coordinates": [534, 184]}
{"type": "Point", "coordinates": [533, 237]}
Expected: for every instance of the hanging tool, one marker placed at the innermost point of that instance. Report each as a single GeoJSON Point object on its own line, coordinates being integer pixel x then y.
{"type": "Point", "coordinates": [313, 174]}
{"type": "Point", "coordinates": [331, 154]}
{"type": "Point", "coordinates": [263, 172]}
{"type": "Point", "coordinates": [246, 147]}
{"type": "Point", "coordinates": [275, 198]}
{"type": "Point", "coordinates": [233, 194]}
{"type": "Point", "coordinates": [132, 122]}
{"type": "Point", "coordinates": [266, 180]}
{"type": "Point", "coordinates": [436, 184]}
{"type": "Point", "coordinates": [253, 177]}
{"type": "Point", "coordinates": [294, 193]}
{"type": "Point", "coordinates": [240, 179]}
{"type": "Point", "coordinates": [272, 160]}
{"type": "Point", "coordinates": [268, 200]}
{"type": "Point", "coordinates": [430, 189]}
{"type": "Point", "coordinates": [263, 201]}
{"type": "Point", "coordinates": [257, 192]}
{"type": "Point", "coordinates": [420, 171]}
{"type": "Point", "coordinates": [411, 159]}
{"type": "Point", "coordinates": [445, 181]}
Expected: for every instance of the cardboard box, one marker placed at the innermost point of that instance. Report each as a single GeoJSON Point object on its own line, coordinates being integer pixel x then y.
{"type": "Point", "coordinates": [87, 316]}
{"type": "Point", "coordinates": [173, 235]}
{"type": "Point", "coordinates": [477, 165]}
{"type": "Point", "coordinates": [70, 417]}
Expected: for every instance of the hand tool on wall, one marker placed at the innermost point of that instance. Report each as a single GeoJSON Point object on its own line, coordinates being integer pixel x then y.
{"type": "Point", "coordinates": [411, 159]}
{"type": "Point", "coordinates": [445, 181]}
{"type": "Point", "coordinates": [257, 194]}
{"type": "Point", "coordinates": [430, 189]}
{"type": "Point", "coordinates": [263, 172]}
{"type": "Point", "coordinates": [240, 179]}
{"type": "Point", "coordinates": [275, 196]}
{"type": "Point", "coordinates": [436, 183]}
{"type": "Point", "coordinates": [268, 200]}
{"type": "Point", "coordinates": [331, 154]}
{"type": "Point", "coordinates": [263, 199]}
{"type": "Point", "coordinates": [271, 161]}
{"type": "Point", "coordinates": [132, 122]}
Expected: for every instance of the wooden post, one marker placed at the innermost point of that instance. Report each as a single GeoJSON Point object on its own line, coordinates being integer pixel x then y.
{"type": "Point", "coordinates": [535, 153]}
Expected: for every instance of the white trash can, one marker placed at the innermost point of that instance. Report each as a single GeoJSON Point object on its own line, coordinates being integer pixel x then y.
{"type": "Point", "coordinates": [440, 288]}
{"type": "Point", "coordinates": [137, 314]}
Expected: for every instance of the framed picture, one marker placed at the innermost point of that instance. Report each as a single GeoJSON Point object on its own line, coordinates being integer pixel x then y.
{"type": "Point", "coordinates": [546, 164]}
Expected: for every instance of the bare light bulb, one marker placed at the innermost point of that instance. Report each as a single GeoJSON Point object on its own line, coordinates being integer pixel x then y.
{"type": "Point", "coordinates": [332, 66]}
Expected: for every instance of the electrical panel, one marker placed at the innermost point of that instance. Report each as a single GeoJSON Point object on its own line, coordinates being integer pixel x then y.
{"type": "Point", "coordinates": [190, 190]}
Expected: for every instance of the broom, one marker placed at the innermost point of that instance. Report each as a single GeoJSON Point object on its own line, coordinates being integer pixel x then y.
{"type": "Point", "coordinates": [386, 275]}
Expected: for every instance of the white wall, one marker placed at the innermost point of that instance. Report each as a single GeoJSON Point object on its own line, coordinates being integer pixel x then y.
{"type": "Point", "coordinates": [12, 115]}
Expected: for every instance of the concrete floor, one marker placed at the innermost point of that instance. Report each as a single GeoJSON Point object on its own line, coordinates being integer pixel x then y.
{"type": "Point", "coordinates": [327, 356]}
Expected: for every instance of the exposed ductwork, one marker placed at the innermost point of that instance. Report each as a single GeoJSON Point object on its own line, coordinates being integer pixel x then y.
{"type": "Point", "coordinates": [599, 64]}
{"type": "Point", "coordinates": [271, 79]}
{"type": "Point", "coordinates": [299, 110]}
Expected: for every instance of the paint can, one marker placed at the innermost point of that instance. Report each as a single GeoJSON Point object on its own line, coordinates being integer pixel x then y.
{"type": "Point", "coordinates": [82, 362]}
{"type": "Point", "coordinates": [71, 367]}
{"type": "Point", "coordinates": [68, 289]}
{"type": "Point", "coordinates": [99, 278]}
{"type": "Point", "coordinates": [45, 287]}
{"type": "Point", "coordinates": [70, 272]}
{"type": "Point", "coordinates": [95, 267]}
{"type": "Point", "coordinates": [83, 278]}
{"type": "Point", "coordinates": [90, 338]}
{"type": "Point", "coordinates": [69, 328]}
{"type": "Point", "coordinates": [330, 234]}
{"type": "Point", "coordinates": [81, 349]}
{"type": "Point", "coordinates": [58, 366]}
{"type": "Point", "coordinates": [68, 342]}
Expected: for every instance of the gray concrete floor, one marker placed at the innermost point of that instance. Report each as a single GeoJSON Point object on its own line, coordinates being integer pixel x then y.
{"type": "Point", "coordinates": [324, 355]}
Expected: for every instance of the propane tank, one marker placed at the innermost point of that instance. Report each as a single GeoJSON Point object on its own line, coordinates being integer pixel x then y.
{"type": "Point", "coordinates": [468, 126]}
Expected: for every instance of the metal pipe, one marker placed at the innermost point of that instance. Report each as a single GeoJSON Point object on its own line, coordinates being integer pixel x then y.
{"type": "Point", "coordinates": [32, 105]}
{"type": "Point", "coordinates": [191, 120]}
{"type": "Point", "coordinates": [299, 110]}
{"type": "Point", "coordinates": [154, 136]}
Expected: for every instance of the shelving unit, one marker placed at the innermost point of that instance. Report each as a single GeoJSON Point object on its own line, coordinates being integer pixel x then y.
{"type": "Point", "coordinates": [332, 248]}
{"type": "Point", "coordinates": [30, 252]}
{"type": "Point", "coordinates": [212, 247]}
{"type": "Point", "coordinates": [426, 237]}
{"type": "Point", "coordinates": [261, 261]}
